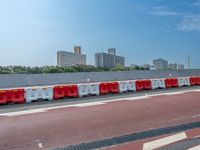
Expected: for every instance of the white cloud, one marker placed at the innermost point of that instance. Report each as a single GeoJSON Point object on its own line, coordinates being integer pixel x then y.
{"type": "Point", "coordinates": [163, 11]}
{"type": "Point", "coordinates": [190, 23]}
{"type": "Point", "coordinates": [196, 4]}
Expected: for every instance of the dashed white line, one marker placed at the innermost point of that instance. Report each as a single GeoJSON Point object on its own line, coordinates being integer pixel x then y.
{"type": "Point", "coordinates": [195, 148]}
{"type": "Point", "coordinates": [164, 141]}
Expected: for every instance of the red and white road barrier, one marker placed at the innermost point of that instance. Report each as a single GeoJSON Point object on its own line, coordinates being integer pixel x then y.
{"type": "Point", "coordinates": [56, 92]}
{"type": "Point", "coordinates": [38, 93]}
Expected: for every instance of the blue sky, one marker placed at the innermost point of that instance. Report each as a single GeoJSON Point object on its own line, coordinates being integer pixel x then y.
{"type": "Point", "coordinates": [31, 31]}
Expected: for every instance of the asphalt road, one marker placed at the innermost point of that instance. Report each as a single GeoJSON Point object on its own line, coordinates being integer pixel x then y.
{"type": "Point", "coordinates": [71, 101]}
{"type": "Point", "coordinates": [67, 122]}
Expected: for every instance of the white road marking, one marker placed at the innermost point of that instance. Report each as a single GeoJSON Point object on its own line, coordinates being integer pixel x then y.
{"type": "Point", "coordinates": [175, 93]}
{"type": "Point", "coordinates": [197, 136]}
{"type": "Point", "coordinates": [40, 145]}
{"type": "Point", "coordinates": [89, 104]}
{"type": "Point", "coordinates": [195, 148]}
{"type": "Point", "coordinates": [74, 105]}
{"type": "Point", "coordinates": [24, 112]}
{"type": "Point", "coordinates": [164, 141]}
{"type": "Point", "coordinates": [137, 98]}
{"type": "Point", "coordinates": [197, 90]}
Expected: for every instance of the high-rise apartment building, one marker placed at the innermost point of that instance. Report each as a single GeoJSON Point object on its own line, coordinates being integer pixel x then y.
{"type": "Point", "coordinates": [180, 67]}
{"type": "Point", "coordinates": [77, 49]}
{"type": "Point", "coordinates": [160, 64]}
{"type": "Point", "coordinates": [176, 66]}
{"type": "Point", "coordinates": [112, 51]}
{"type": "Point", "coordinates": [65, 58]}
{"type": "Point", "coordinates": [172, 66]}
{"type": "Point", "coordinates": [109, 60]}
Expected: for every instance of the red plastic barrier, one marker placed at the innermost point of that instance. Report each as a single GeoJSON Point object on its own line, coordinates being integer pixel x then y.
{"type": "Point", "coordinates": [58, 92]}
{"type": "Point", "coordinates": [16, 96]}
{"type": "Point", "coordinates": [104, 88]}
{"type": "Point", "coordinates": [198, 81]}
{"type": "Point", "coordinates": [168, 83]}
{"type": "Point", "coordinates": [174, 82]}
{"type": "Point", "coordinates": [143, 85]}
{"type": "Point", "coordinates": [192, 81]}
{"type": "Point", "coordinates": [171, 82]}
{"type": "Point", "coordinates": [71, 91]}
{"type": "Point", "coordinates": [147, 84]}
{"type": "Point", "coordinates": [3, 96]}
{"type": "Point", "coordinates": [140, 85]}
{"type": "Point", "coordinates": [114, 87]}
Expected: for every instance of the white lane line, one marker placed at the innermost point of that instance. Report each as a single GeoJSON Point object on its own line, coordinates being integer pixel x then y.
{"type": "Point", "coordinates": [137, 98]}
{"type": "Point", "coordinates": [91, 103]}
{"type": "Point", "coordinates": [175, 93]}
{"type": "Point", "coordinates": [74, 105]}
{"type": "Point", "coordinates": [22, 113]}
{"type": "Point", "coordinates": [164, 141]}
{"type": "Point", "coordinates": [195, 148]}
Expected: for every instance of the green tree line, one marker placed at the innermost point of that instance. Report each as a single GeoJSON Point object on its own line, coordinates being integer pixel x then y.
{"type": "Point", "coordinates": [56, 69]}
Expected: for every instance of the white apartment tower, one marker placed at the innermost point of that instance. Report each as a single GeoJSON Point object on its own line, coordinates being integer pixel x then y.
{"type": "Point", "coordinates": [65, 58]}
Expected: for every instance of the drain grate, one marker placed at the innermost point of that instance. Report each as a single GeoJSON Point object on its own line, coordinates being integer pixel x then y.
{"type": "Point", "coordinates": [130, 137]}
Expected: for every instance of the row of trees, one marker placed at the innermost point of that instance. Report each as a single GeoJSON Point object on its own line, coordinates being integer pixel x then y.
{"type": "Point", "coordinates": [55, 69]}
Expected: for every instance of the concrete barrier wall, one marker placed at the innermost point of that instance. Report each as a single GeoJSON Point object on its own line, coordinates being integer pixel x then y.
{"type": "Point", "coordinates": [18, 80]}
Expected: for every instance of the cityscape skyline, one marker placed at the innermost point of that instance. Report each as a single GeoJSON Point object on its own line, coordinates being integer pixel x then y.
{"type": "Point", "coordinates": [109, 60]}
{"type": "Point", "coordinates": [140, 31]}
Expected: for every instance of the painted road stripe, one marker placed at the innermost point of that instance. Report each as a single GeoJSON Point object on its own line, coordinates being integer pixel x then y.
{"type": "Point", "coordinates": [137, 98]}
{"type": "Point", "coordinates": [89, 104]}
{"type": "Point", "coordinates": [164, 141]}
{"type": "Point", "coordinates": [92, 103]}
{"type": "Point", "coordinates": [40, 145]}
{"type": "Point", "coordinates": [22, 113]}
{"type": "Point", "coordinates": [67, 106]}
{"type": "Point", "coordinates": [195, 148]}
{"type": "Point", "coordinates": [175, 93]}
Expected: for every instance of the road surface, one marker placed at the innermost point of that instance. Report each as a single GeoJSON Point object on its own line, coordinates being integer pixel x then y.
{"type": "Point", "coordinates": [59, 125]}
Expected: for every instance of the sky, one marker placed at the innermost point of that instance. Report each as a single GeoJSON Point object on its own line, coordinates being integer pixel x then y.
{"type": "Point", "coordinates": [31, 31]}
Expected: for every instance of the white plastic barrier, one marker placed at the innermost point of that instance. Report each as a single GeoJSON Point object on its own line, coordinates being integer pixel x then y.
{"type": "Point", "coordinates": [131, 85]}
{"type": "Point", "coordinates": [36, 93]}
{"type": "Point", "coordinates": [162, 83]}
{"type": "Point", "coordinates": [187, 81]}
{"type": "Point", "coordinates": [94, 89]}
{"type": "Point", "coordinates": [183, 81]}
{"type": "Point", "coordinates": [32, 94]}
{"type": "Point", "coordinates": [158, 83]}
{"type": "Point", "coordinates": [155, 83]}
{"type": "Point", "coordinates": [46, 93]}
{"type": "Point", "coordinates": [83, 89]}
{"type": "Point", "coordinates": [123, 86]}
